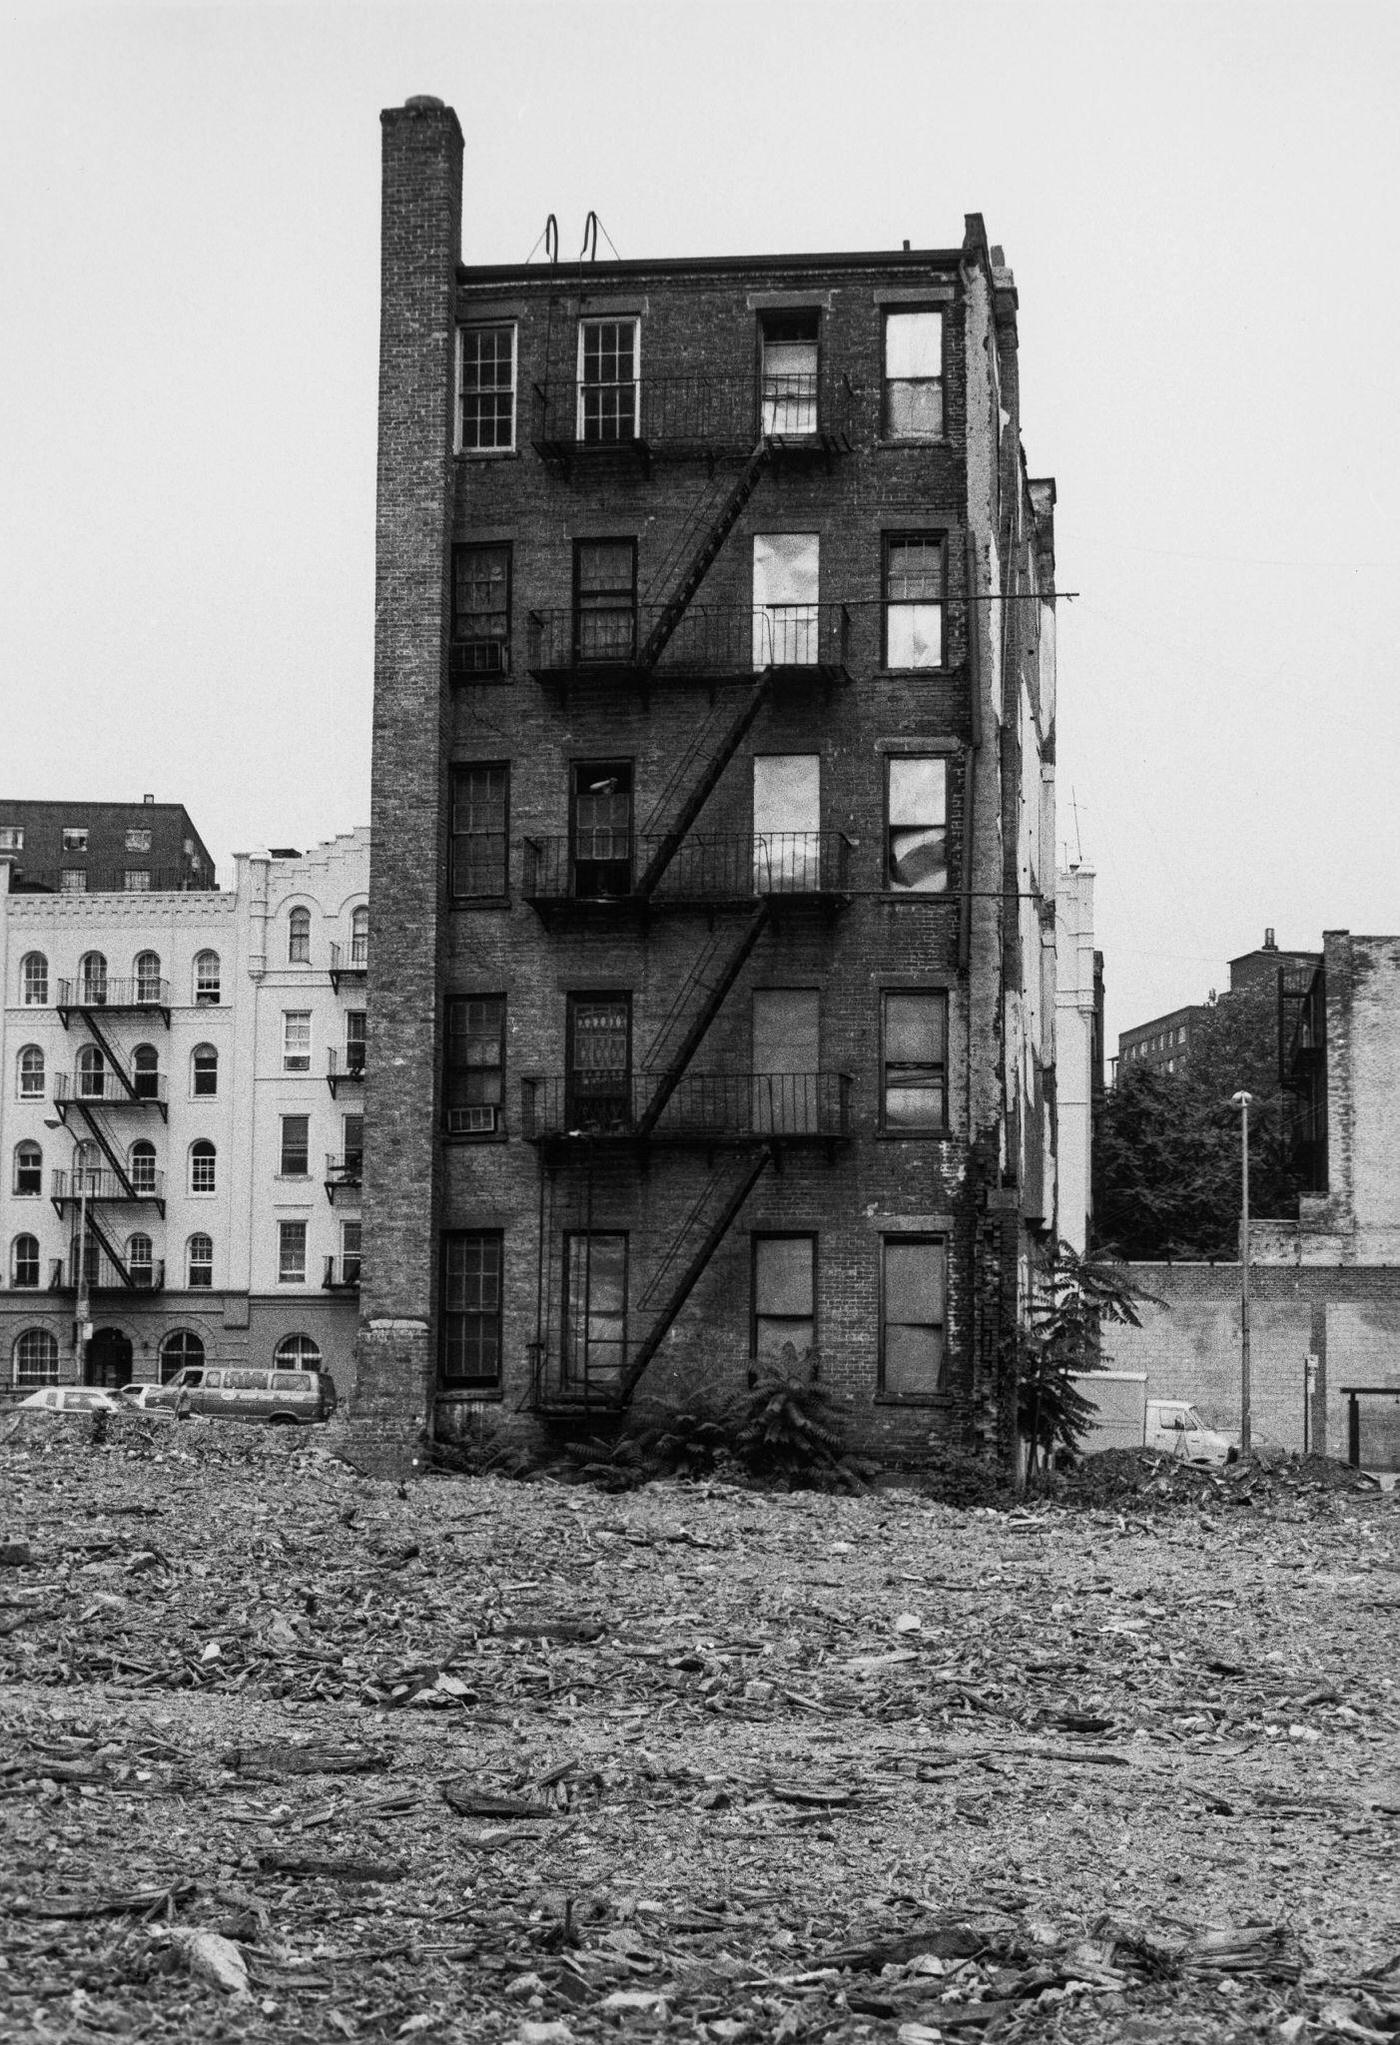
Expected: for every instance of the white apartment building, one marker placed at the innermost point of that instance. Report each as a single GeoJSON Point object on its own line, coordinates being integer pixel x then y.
{"type": "Point", "coordinates": [181, 1124]}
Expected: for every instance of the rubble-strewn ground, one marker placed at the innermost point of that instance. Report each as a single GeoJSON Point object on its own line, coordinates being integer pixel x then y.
{"type": "Point", "coordinates": [490, 1760]}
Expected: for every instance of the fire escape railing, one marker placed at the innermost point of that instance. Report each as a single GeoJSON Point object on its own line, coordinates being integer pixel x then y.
{"type": "Point", "coordinates": [731, 868]}
{"type": "Point", "coordinates": [701, 1107]}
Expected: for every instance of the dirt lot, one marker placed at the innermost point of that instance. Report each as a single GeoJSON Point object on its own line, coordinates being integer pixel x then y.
{"type": "Point", "coordinates": [491, 1760]}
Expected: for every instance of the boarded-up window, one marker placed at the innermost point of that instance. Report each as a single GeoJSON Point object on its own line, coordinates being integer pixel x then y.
{"type": "Point", "coordinates": [912, 1310]}
{"type": "Point", "coordinates": [917, 834]}
{"type": "Point", "coordinates": [790, 373]}
{"type": "Point", "coordinates": [914, 375]}
{"type": "Point", "coordinates": [787, 809]}
{"type": "Point", "coordinates": [786, 1059]}
{"type": "Point", "coordinates": [914, 1092]}
{"type": "Point", "coordinates": [595, 1308]}
{"type": "Point", "coordinates": [786, 569]}
{"type": "Point", "coordinates": [784, 1294]}
{"type": "Point", "coordinates": [914, 600]}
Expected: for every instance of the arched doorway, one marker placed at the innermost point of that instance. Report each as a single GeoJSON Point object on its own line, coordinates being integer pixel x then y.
{"type": "Point", "coordinates": [108, 1361]}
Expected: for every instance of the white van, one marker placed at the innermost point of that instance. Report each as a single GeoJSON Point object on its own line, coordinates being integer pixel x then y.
{"type": "Point", "coordinates": [1175, 1428]}
{"type": "Point", "coordinates": [232, 1392]}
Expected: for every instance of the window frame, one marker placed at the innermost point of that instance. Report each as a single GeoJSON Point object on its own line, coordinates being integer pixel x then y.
{"type": "Point", "coordinates": [138, 838]}
{"type": "Point", "coordinates": [142, 1165]}
{"type": "Point", "coordinates": [24, 1262]}
{"type": "Point", "coordinates": [481, 654]}
{"type": "Point", "coordinates": [775, 1235]}
{"type": "Point", "coordinates": [31, 1376]}
{"type": "Point", "coordinates": [27, 1161]}
{"type": "Point", "coordinates": [920, 1239]}
{"type": "Point", "coordinates": [485, 899]}
{"type": "Point", "coordinates": [574, 1101]}
{"type": "Point", "coordinates": [147, 976]}
{"type": "Point", "coordinates": [73, 837]}
{"type": "Point", "coordinates": [940, 382]}
{"type": "Point", "coordinates": [198, 1092]}
{"type": "Point", "coordinates": [202, 1167]}
{"type": "Point", "coordinates": [490, 1318]}
{"type": "Point", "coordinates": [477, 449]}
{"type": "Point", "coordinates": [359, 935]}
{"type": "Point", "coordinates": [620, 767]}
{"type": "Point", "coordinates": [180, 1349]}
{"type": "Point", "coordinates": [459, 1071]}
{"type": "Point", "coordinates": [207, 989]}
{"type": "Point", "coordinates": [194, 1263]}
{"type": "Point", "coordinates": [889, 604]}
{"type": "Point", "coordinates": [604, 602]}
{"type": "Point", "coordinates": [31, 1073]}
{"type": "Point", "coordinates": [906, 894]}
{"type": "Point", "coordinates": [582, 437]}
{"type": "Point", "coordinates": [34, 980]}
{"type": "Point", "coordinates": [292, 1233]}
{"type": "Point", "coordinates": [570, 1374]}
{"type": "Point", "coordinates": [939, 996]}
{"type": "Point", "coordinates": [298, 935]}
{"type": "Point", "coordinates": [771, 408]}
{"type": "Point", "coordinates": [287, 1167]}
{"type": "Point", "coordinates": [293, 1059]}
{"type": "Point", "coordinates": [305, 1349]}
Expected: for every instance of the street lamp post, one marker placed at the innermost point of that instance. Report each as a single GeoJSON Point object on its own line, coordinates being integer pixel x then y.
{"type": "Point", "coordinates": [1244, 1102]}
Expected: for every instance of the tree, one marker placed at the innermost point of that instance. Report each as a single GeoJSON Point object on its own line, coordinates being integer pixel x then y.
{"type": "Point", "coordinates": [1171, 1141]}
{"type": "Point", "coordinates": [1063, 1340]}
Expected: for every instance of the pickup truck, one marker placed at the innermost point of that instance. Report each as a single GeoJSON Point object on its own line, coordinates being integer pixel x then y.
{"type": "Point", "coordinates": [1126, 1418]}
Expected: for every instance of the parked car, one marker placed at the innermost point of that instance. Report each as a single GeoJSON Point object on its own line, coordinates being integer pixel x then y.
{"type": "Point", "coordinates": [230, 1392]}
{"type": "Point", "coordinates": [137, 1398]}
{"type": "Point", "coordinates": [1175, 1428]}
{"type": "Point", "coordinates": [73, 1399]}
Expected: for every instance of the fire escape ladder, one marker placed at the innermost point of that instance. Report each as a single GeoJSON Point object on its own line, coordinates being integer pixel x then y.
{"type": "Point", "coordinates": [701, 789]}
{"type": "Point", "coordinates": [713, 527]}
{"type": "Point", "coordinates": [675, 1280]}
{"type": "Point", "coordinates": [97, 1228]}
{"type": "Point", "coordinates": [109, 1052]}
{"type": "Point", "coordinates": [109, 1150]}
{"type": "Point", "coordinates": [712, 976]}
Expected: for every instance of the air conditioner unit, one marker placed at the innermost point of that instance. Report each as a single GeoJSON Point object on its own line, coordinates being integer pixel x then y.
{"type": "Point", "coordinates": [472, 1121]}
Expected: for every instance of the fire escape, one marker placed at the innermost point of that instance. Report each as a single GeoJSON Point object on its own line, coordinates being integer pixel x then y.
{"type": "Point", "coordinates": [107, 1088]}
{"type": "Point", "coordinates": [597, 1127]}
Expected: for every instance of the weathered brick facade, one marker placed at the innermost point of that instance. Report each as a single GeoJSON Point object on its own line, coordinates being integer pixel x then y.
{"type": "Point", "coordinates": [525, 704]}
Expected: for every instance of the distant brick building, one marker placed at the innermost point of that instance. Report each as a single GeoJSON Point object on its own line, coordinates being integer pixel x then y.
{"type": "Point", "coordinates": [712, 999]}
{"type": "Point", "coordinates": [1165, 1043]}
{"type": "Point", "coordinates": [102, 848]}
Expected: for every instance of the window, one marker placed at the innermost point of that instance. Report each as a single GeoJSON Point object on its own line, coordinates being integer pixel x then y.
{"type": "Point", "coordinates": [145, 1072]}
{"type": "Point", "coordinates": [479, 808]}
{"type": "Point", "coordinates": [91, 1074]}
{"type": "Point", "coordinates": [11, 838]}
{"type": "Point", "coordinates": [355, 1019]}
{"type": "Point", "coordinates": [601, 803]}
{"type": "Point", "coordinates": [352, 1144]}
{"type": "Point", "coordinates": [137, 880]}
{"type": "Point", "coordinates": [476, 1064]}
{"type": "Point", "coordinates": [34, 980]}
{"type": "Point", "coordinates": [486, 419]}
{"type": "Point", "coordinates": [141, 1167]}
{"type": "Point", "coordinates": [36, 1358]}
{"type": "Point", "coordinates": [913, 600]}
{"type": "Point", "coordinates": [75, 838]}
{"type": "Point", "coordinates": [291, 1253]}
{"type": "Point", "coordinates": [599, 1059]}
{"type": "Point", "coordinates": [605, 600]}
{"type": "Point", "coordinates": [29, 1171]}
{"type": "Point", "coordinates": [199, 1262]}
{"type": "Point", "coordinates": [72, 880]}
{"type": "Point", "coordinates": [24, 1261]}
{"type": "Point", "coordinates": [786, 1059]}
{"type": "Point", "coordinates": [138, 841]}
{"type": "Point", "coordinates": [914, 375]}
{"type": "Point", "coordinates": [180, 1351]}
{"type": "Point", "coordinates": [784, 1295]}
{"type": "Point", "coordinates": [609, 380]}
{"type": "Point", "coordinates": [359, 936]}
{"type": "Point", "coordinates": [296, 1040]}
{"type": "Point", "coordinates": [140, 1262]}
{"type": "Point", "coordinates": [912, 1290]}
{"type": "Point", "coordinates": [595, 1308]}
{"type": "Point", "coordinates": [786, 575]}
{"type": "Point", "coordinates": [787, 806]}
{"type": "Point", "coordinates": [349, 1252]}
{"type": "Point", "coordinates": [299, 937]}
{"type": "Point", "coordinates": [92, 979]}
{"type": "Point", "coordinates": [914, 1075]}
{"type": "Point", "coordinates": [31, 1073]}
{"type": "Point", "coordinates": [206, 979]}
{"type": "Point", "coordinates": [789, 394]}
{"type": "Point", "coordinates": [203, 1166]}
{"type": "Point", "coordinates": [296, 1352]}
{"type": "Point", "coordinates": [471, 1309]}
{"type": "Point", "coordinates": [296, 1146]}
{"type": "Point", "coordinates": [204, 1070]}
{"type": "Point", "coordinates": [916, 841]}
{"type": "Point", "coordinates": [148, 981]}
{"type": "Point", "coordinates": [481, 610]}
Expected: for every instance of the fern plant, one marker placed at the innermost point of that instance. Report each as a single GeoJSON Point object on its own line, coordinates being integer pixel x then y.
{"type": "Point", "coordinates": [790, 1427]}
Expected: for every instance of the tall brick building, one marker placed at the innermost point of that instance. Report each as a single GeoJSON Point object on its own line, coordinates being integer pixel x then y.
{"type": "Point", "coordinates": [712, 997]}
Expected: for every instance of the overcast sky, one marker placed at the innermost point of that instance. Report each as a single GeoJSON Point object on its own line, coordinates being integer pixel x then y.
{"type": "Point", "coordinates": [1200, 206]}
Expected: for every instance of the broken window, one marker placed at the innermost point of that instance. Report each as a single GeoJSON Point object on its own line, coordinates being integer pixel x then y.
{"type": "Point", "coordinates": [786, 1059]}
{"type": "Point", "coordinates": [478, 851]}
{"type": "Point", "coordinates": [912, 1295]}
{"type": "Point", "coordinates": [602, 828]}
{"type": "Point", "coordinates": [787, 796]}
{"type": "Point", "coordinates": [789, 391]}
{"type": "Point", "coordinates": [599, 1062]}
{"type": "Point", "coordinates": [605, 599]}
{"type": "Point", "coordinates": [786, 568]}
{"type": "Point", "coordinates": [609, 383]}
{"type": "Point", "coordinates": [914, 1085]}
{"type": "Point", "coordinates": [784, 1295]}
{"type": "Point", "coordinates": [916, 860]}
{"type": "Point", "coordinates": [481, 610]}
{"type": "Point", "coordinates": [913, 600]}
{"type": "Point", "coordinates": [595, 1308]}
{"type": "Point", "coordinates": [914, 375]}
{"type": "Point", "coordinates": [476, 1063]}
{"type": "Point", "coordinates": [486, 418]}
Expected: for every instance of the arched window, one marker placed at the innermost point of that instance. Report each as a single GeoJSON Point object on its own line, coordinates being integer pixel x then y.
{"type": "Point", "coordinates": [299, 937]}
{"type": "Point", "coordinates": [36, 1357]}
{"type": "Point", "coordinates": [199, 1261]}
{"type": "Point", "coordinates": [139, 1261]}
{"type": "Point", "coordinates": [206, 979]}
{"type": "Point", "coordinates": [297, 1352]}
{"type": "Point", "coordinates": [31, 1073]}
{"type": "Point", "coordinates": [359, 937]}
{"type": "Point", "coordinates": [141, 1166]}
{"type": "Point", "coordinates": [203, 1166]}
{"type": "Point", "coordinates": [92, 979]}
{"type": "Point", "coordinates": [204, 1070]}
{"type": "Point", "coordinates": [145, 1072]}
{"type": "Point", "coordinates": [24, 1261]}
{"type": "Point", "coordinates": [34, 980]}
{"type": "Point", "coordinates": [92, 1073]}
{"type": "Point", "coordinates": [29, 1170]}
{"type": "Point", "coordinates": [180, 1351]}
{"type": "Point", "coordinates": [148, 988]}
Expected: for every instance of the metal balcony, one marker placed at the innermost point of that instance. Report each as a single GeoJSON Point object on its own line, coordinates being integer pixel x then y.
{"type": "Point", "coordinates": [342, 1274]}
{"type": "Point", "coordinates": [703, 1107]}
{"type": "Point", "coordinates": [343, 1173]}
{"type": "Point", "coordinates": [800, 643]}
{"type": "Point", "coordinates": [352, 965]}
{"type": "Point", "coordinates": [70, 1189]}
{"type": "Point", "coordinates": [697, 415]}
{"type": "Point", "coordinates": [110, 1088]}
{"type": "Point", "coordinates": [345, 1068]}
{"type": "Point", "coordinates": [703, 872]}
{"type": "Point", "coordinates": [104, 1274]}
{"type": "Point", "coordinates": [115, 996]}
